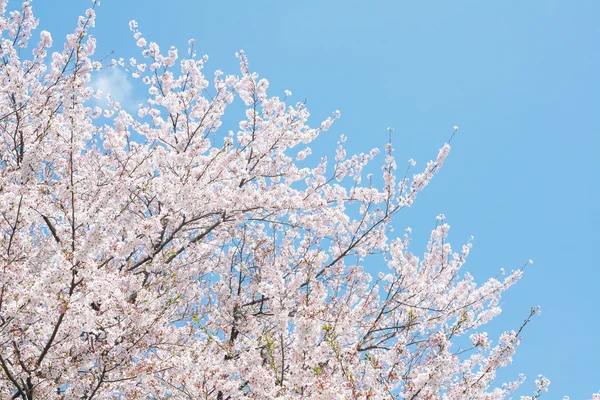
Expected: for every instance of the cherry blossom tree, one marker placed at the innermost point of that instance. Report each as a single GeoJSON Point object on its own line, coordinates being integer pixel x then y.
{"type": "Point", "coordinates": [160, 255]}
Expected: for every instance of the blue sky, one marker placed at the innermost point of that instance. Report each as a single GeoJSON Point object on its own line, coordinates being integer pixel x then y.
{"type": "Point", "coordinates": [521, 81]}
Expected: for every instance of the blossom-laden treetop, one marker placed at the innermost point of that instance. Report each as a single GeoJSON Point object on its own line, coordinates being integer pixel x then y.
{"type": "Point", "coordinates": [161, 256]}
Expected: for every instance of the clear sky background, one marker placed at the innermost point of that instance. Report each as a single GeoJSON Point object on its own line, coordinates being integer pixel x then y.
{"type": "Point", "coordinates": [521, 80]}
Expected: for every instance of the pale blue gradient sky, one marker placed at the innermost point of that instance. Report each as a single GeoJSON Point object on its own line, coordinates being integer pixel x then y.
{"type": "Point", "coordinates": [521, 79]}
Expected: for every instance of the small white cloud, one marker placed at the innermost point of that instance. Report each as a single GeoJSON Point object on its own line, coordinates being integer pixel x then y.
{"type": "Point", "coordinates": [113, 81]}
